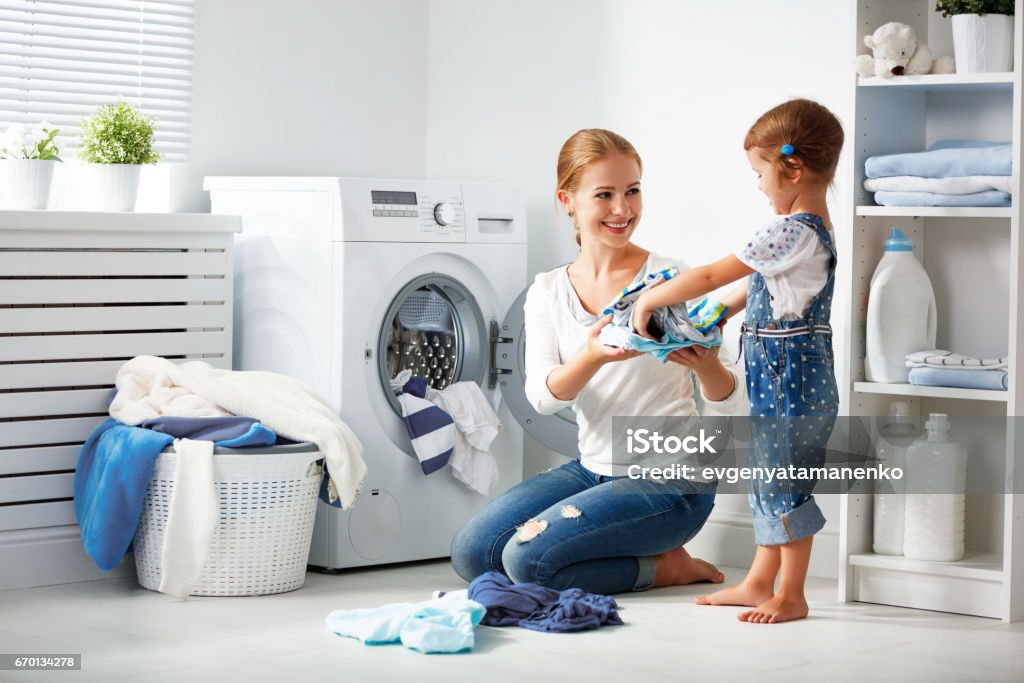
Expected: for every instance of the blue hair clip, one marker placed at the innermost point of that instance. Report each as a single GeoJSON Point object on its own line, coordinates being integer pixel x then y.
{"type": "Point", "coordinates": [787, 150]}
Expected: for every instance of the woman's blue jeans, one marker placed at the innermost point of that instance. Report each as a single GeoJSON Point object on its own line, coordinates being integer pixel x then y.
{"type": "Point", "coordinates": [601, 533]}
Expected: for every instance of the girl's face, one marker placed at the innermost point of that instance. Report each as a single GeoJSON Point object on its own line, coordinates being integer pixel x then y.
{"type": "Point", "coordinates": [780, 189]}
{"type": "Point", "coordinates": [608, 204]}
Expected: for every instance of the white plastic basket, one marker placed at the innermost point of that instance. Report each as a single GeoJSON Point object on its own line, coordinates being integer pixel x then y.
{"type": "Point", "coordinates": [267, 509]}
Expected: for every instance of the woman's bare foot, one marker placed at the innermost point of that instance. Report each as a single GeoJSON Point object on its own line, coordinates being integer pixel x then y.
{"type": "Point", "coordinates": [776, 610]}
{"type": "Point", "coordinates": [746, 594]}
{"type": "Point", "coordinates": [676, 568]}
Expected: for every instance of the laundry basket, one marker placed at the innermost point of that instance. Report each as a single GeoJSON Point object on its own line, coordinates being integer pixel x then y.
{"type": "Point", "coordinates": [260, 546]}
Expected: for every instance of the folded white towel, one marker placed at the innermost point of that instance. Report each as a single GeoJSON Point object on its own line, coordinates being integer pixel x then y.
{"type": "Point", "coordinates": [282, 403]}
{"type": "Point", "coordinates": [958, 185]}
{"type": "Point", "coordinates": [939, 358]}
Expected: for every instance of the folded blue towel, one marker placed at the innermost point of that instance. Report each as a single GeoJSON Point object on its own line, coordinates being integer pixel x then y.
{"type": "Point", "coordinates": [943, 162]}
{"type": "Point", "coordinates": [541, 609]}
{"type": "Point", "coordinates": [987, 198]}
{"type": "Point", "coordinates": [111, 478]}
{"type": "Point", "coordinates": [995, 380]}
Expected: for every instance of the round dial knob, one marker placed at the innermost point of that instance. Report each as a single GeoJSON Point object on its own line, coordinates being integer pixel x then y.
{"type": "Point", "coordinates": [444, 214]}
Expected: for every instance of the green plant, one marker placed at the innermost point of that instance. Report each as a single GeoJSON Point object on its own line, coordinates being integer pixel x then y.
{"type": "Point", "coordinates": [951, 7]}
{"type": "Point", "coordinates": [37, 143]}
{"type": "Point", "coordinates": [118, 134]}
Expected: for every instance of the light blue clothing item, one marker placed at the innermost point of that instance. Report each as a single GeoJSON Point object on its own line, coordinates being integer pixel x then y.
{"type": "Point", "coordinates": [444, 625]}
{"type": "Point", "coordinates": [947, 159]}
{"type": "Point", "coordinates": [672, 325]}
{"type": "Point", "coordinates": [987, 198]}
{"type": "Point", "coordinates": [995, 380]}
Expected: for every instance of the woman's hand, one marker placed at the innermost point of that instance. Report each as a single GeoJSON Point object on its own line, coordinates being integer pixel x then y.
{"type": "Point", "coordinates": [600, 353]}
{"type": "Point", "coordinates": [697, 358]}
{"type": "Point", "coordinates": [717, 383]}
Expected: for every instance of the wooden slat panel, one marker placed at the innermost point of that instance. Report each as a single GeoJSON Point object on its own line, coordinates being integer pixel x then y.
{"type": "Point", "coordinates": [32, 488]}
{"type": "Point", "coordinates": [46, 459]}
{"type": "Point", "coordinates": [40, 263]}
{"type": "Point", "coordinates": [39, 403]}
{"type": "Point", "coordinates": [112, 291]}
{"type": "Point", "coordinates": [37, 515]}
{"type": "Point", "coordinates": [62, 346]}
{"type": "Point", "coordinates": [101, 318]}
{"type": "Point", "coordinates": [60, 430]}
{"type": "Point", "coordinates": [42, 375]}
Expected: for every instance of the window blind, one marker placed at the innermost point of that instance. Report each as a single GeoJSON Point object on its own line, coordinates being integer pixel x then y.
{"type": "Point", "coordinates": [62, 59]}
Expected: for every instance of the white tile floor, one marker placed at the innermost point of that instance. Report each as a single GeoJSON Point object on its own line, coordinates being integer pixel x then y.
{"type": "Point", "coordinates": [129, 634]}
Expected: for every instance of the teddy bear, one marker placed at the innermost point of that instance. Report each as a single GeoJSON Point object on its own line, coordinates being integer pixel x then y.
{"type": "Point", "coordinates": [897, 53]}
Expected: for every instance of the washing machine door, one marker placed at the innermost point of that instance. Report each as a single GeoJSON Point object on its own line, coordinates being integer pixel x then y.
{"type": "Point", "coordinates": [558, 432]}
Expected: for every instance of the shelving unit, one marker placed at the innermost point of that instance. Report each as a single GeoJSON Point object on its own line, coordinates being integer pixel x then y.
{"type": "Point", "coordinates": [971, 255]}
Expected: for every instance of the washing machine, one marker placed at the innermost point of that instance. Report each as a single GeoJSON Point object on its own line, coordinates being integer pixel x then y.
{"type": "Point", "coordinates": [344, 282]}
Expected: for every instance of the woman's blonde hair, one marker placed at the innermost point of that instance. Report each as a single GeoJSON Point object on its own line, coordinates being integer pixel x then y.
{"type": "Point", "coordinates": [815, 134]}
{"type": "Point", "coordinates": [583, 148]}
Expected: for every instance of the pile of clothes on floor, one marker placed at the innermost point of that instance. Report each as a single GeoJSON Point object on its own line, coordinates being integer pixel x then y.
{"type": "Point", "coordinates": [447, 622]}
{"type": "Point", "coordinates": [949, 173]}
{"type": "Point", "coordinates": [941, 368]}
{"type": "Point", "coordinates": [195, 406]}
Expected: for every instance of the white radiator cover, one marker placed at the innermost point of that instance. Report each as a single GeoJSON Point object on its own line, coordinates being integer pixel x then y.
{"type": "Point", "coordinates": [80, 293]}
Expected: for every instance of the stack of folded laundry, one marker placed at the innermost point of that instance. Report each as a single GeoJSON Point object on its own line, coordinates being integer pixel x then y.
{"type": "Point", "coordinates": [945, 369]}
{"type": "Point", "coordinates": [950, 173]}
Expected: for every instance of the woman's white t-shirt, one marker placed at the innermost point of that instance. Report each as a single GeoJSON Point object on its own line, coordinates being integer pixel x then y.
{"type": "Point", "coordinates": [793, 261]}
{"type": "Point", "coordinates": [556, 332]}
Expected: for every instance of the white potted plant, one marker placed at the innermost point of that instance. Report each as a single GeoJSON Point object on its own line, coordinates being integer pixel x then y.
{"type": "Point", "coordinates": [982, 34]}
{"type": "Point", "coordinates": [116, 141]}
{"type": "Point", "coordinates": [29, 156]}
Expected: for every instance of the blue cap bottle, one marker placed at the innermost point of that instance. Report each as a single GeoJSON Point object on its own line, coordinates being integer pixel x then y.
{"type": "Point", "coordinates": [898, 241]}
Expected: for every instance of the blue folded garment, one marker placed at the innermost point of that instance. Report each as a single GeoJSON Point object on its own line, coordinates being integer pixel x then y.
{"type": "Point", "coordinates": [987, 198]}
{"type": "Point", "coordinates": [541, 609]}
{"type": "Point", "coordinates": [944, 160]}
{"type": "Point", "coordinates": [442, 625]}
{"type": "Point", "coordinates": [995, 380]}
{"type": "Point", "coordinates": [221, 429]}
{"type": "Point", "coordinates": [111, 478]}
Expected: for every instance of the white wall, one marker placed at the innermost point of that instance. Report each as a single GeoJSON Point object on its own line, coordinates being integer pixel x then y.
{"type": "Point", "coordinates": [306, 87]}
{"type": "Point", "coordinates": [683, 82]}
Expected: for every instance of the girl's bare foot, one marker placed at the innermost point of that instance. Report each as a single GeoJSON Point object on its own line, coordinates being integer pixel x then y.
{"type": "Point", "coordinates": [746, 593]}
{"type": "Point", "coordinates": [776, 610]}
{"type": "Point", "coordinates": [676, 568]}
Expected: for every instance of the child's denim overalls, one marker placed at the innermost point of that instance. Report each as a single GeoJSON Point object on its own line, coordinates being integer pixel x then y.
{"type": "Point", "coordinates": [793, 403]}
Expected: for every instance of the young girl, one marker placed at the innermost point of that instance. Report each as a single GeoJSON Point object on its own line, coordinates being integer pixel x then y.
{"type": "Point", "coordinates": [787, 344]}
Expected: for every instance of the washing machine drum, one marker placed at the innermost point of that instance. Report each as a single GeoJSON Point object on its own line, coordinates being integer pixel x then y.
{"type": "Point", "coordinates": [435, 329]}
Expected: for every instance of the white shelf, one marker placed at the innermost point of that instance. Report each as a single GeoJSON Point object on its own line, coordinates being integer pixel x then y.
{"type": "Point", "coordinates": [942, 82]}
{"type": "Point", "coordinates": [974, 565]}
{"type": "Point", "coordinates": [930, 392]}
{"type": "Point", "coordinates": [937, 211]}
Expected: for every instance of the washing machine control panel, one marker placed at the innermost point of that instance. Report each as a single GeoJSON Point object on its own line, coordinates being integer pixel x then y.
{"type": "Point", "coordinates": [439, 213]}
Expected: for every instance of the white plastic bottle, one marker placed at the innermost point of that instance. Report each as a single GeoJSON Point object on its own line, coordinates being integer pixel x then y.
{"type": "Point", "coordinates": [901, 312]}
{"type": "Point", "coordinates": [896, 434]}
{"type": "Point", "coordinates": [936, 500]}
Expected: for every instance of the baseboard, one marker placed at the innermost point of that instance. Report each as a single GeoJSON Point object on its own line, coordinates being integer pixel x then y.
{"type": "Point", "coordinates": [728, 539]}
{"type": "Point", "coordinates": [48, 556]}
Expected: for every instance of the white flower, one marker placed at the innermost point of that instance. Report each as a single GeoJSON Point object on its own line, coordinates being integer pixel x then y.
{"type": "Point", "coordinates": [14, 142]}
{"type": "Point", "coordinates": [39, 133]}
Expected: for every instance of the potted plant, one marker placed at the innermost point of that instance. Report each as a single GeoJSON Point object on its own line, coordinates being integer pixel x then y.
{"type": "Point", "coordinates": [115, 142]}
{"type": "Point", "coordinates": [29, 156]}
{"type": "Point", "coordinates": [982, 34]}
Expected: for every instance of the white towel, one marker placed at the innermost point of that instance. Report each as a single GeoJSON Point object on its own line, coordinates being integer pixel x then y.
{"type": "Point", "coordinates": [192, 518]}
{"type": "Point", "coordinates": [472, 462]}
{"type": "Point", "coordinates": [953, 361]}
{"type": "Point", "coordinates": [958, 185]}
{"type": "Point", "coordinates": [282, 403]}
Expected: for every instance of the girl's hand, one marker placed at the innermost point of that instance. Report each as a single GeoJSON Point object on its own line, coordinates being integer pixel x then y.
{"type": "Point", "coordinates": [639, 319]}
{"type": "Point", "coordinates": [601, 353]}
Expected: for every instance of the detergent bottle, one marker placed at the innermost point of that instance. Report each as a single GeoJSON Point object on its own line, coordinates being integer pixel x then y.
{"type": "Point", "coordinates": [936, 494]}
{"type": "Point", "coordinates": [895, 435]}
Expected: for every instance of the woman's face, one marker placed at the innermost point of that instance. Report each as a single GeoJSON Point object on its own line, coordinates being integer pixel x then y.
{"type": "Point", "coordinates": [780, 189]}
{"type": "Point", "coordinates": [608, 204]}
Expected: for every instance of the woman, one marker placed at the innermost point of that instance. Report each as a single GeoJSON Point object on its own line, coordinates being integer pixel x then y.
{"type": "Point", "coordinates": [569, 527]}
